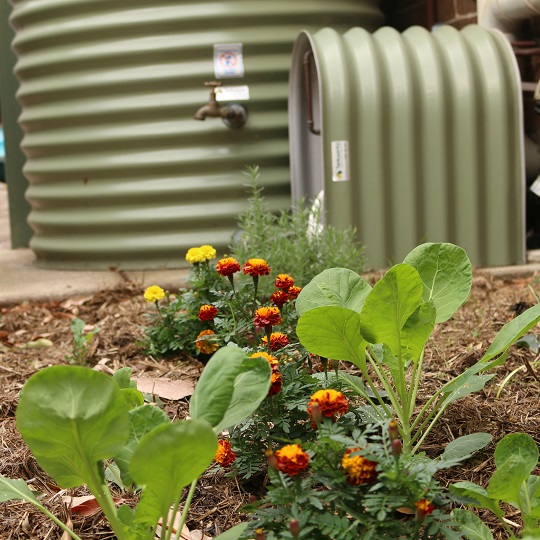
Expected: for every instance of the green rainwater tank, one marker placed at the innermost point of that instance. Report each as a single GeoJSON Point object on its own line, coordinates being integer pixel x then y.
{"type": "Point", "coordinates": [415, 137]}
{"type": "Point", "coordinates": [120, 173]}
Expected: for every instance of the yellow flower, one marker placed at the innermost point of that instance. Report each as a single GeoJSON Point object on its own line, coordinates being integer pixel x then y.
{"type": "Point", "coordinates": [195, 255]}
{"type": "Point", "coordinates": [206, 342]}
{"type": "Point", "coordinates": [208, 252]}
{"type": "Point", "coordinates": [154, 293]}
{"type": "Point", "coordinates": [358, 469]}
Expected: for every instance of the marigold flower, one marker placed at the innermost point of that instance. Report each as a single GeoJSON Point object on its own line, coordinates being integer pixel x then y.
{"type": "Point", "coordinates": [267, 316]}
{"type": "Point", "coordinates": [291, 459]}
{"type": "Point", "coordinates": [272, 360]}
{"type": "Point", "coordinates": [195, 255]}
{"type": "Point", "coordinates": [358, 469]}
{"type": "Point", "coordinates": [284, 281]}
{"type": "Point", "coordinates": [207, 312]}
{"type": "Point", "coordinates": [224, 454]}
{"type": "Point", "coordinates": [208, 252]}
{"type": "Point", "coordinates": [279, 298]}
{"type": "Point", "coordinates": [424, 506]}
{"type": "Point", "coordinates": [278, 340]}
{"type": "Point", "coordinates": [256, 267]}
{"type": "Point", "coordinates": [277, 382]}
{"type": "Point", "coordinates": [331, 402]}
{"type": "Point", "coordinates": [206, 342]}
{"type": "Point", "coordinates": [227, 267]}
{"type": "Point", "coordinates": [294, 291]}
{"type": "Point", "coordinates": [153, 293]}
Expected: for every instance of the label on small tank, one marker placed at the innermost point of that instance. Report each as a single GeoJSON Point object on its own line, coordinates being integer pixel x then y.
{"type": "Point", "coordinates": [341, 170]}
{"type": "Point", "coordinates": [228, 60]}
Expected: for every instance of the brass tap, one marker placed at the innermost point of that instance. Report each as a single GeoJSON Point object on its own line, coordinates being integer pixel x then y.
{"type": "Point", "coordinates": [234, 115]}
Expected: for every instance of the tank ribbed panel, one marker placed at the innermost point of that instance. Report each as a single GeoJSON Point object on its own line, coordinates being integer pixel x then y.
{"type": "Point", "coordinates": [120, 173]}
{"type": "Point", "coordinates": [434, 126]}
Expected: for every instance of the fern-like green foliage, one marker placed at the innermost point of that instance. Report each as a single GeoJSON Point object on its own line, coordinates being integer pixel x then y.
{"type": "Point", "coordinates": [293, 242]}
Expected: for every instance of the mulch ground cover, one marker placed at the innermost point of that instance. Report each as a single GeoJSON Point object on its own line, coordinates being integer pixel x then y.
{"type": "Point", "coordinates": [121, 316]}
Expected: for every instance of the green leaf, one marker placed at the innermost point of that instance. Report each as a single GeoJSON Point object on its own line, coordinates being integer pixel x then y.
{"type": "Point", "coordinates": [231, 387]}
{"type": "Point", "coordinates": [122, 377]}
{"type": "Point", "coordinates": [416, 331]}
{"type": "Point", "coordinates": [389, 305]}
{"type": "Point", "coordinates": [233, 533]}
{"type": "Point", "coordinates": [529, 341]}
{"type": "Point", "coordinates": [465, 446]}
{"type": "Point", "coordinates": [472, 384]}
{"type": "Point", "coordinates": [167, 459]}
{"type": "Point", "coordinates": [142, 420]}
{"type": "Point", "coordinates": [471, 525]}
{"type": "Point", "coordinates": [446, 273]}
{"type": "Point", "coordinates": [516, 455]}
{"type": "Point", "coordinates": [133, 397]}
{"type": "Point", "coordinates": [512, 331]}
{"type": "Point", "coordinates": [15, 489]}
{"type": "Point", "coordinates": [72, 418]}
{"type": "Point", "coordinates": [332, 332]}
{"type": "Point", "coordinates": [478, 496]}
{"type": "Point", "coordinates": [334, 287]}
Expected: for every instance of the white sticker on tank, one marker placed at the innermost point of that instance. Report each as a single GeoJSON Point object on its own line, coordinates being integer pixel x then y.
{"type": "Point", "coordinates": [341, 170]}
{"type": "Point", "coordinates": [535, 187]}
{"type": "Point", "coordinates": [228, 60]}
{"type": "Point", "coordinates": [232, 93]}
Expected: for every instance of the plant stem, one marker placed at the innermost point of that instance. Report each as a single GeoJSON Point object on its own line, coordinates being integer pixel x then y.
{"type": "Point", "coordinates": [186, 508]}
{"type": "Point", "coordinates": [56, 520]}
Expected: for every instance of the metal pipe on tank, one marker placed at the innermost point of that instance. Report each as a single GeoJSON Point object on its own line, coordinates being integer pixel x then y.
{"type": "Point", "coordinates": [506, 15]}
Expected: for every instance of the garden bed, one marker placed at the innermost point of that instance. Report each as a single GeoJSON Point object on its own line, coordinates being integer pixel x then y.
{"type": "Point", "coordinates": [121, 316]}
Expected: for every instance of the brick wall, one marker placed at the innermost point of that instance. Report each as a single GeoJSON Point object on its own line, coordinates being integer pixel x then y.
{"type": "Point", "coordinates": [404, 13]}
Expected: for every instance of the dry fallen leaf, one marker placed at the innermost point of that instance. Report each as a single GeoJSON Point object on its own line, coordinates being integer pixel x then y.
{"type": "Point", "coordinates": [86, 505]}
{"type": "Point", "coordinates": [165, 388]}
{"type": "Point", "coordinates": [184, 535]}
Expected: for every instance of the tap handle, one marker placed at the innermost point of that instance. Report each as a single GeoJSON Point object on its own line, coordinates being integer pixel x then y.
{"type": "Point", "coordinates": [213, 85]}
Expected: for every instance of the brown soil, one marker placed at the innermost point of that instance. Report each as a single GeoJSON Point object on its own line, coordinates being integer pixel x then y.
{"type": "Point", "coordinates": [120, 314]}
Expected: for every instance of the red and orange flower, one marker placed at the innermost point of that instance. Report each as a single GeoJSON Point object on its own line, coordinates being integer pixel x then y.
{"type": "Point", "coordinates": [206, 342]}
{"type": "Point", "coordinates": [277, 382]}
{"type": "Point", "coordinates": [256, 267]}
{"type": "Point", "coordinates": [331, 403]}
{"type": "Point", "coordinates": [294, 291]}
{"type": "Point", "coordinates": [227, 267]}
{"type": "Point", "coordinates": [272, 360]}
{"type": "Point", "coordinates": [283, 281]}
{"type": "Point", "coordinates": [358, 469]}
{"type": "Point", "coordinates": [291, 459]}
{"type": "Point", "coordinates": [423, 508]}
{"type": "Point", "coordinates": [278, 340]}
{"type": "Point", "coordinates": [279, 298]}
{"type": "Point", "coordinates": [224, 454]}
{"type": "Point", "coordinates": [267, 316]}
{"type": "Point", "coordinates": [207, 312]}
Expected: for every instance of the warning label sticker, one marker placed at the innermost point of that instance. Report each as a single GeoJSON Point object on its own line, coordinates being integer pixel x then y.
{"type": "Point", "coordinates": [341, 171]}
{"type": "Point", "coordinates": [228, 61]}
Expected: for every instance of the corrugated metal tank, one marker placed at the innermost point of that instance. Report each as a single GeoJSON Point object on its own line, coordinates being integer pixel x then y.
{"type": "Point", "coordinates": [120, 173]}
{"type": "Point", "coordinates": [427, 128]}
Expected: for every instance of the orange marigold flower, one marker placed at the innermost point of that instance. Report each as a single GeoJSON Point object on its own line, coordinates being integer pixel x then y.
{"type": "Point", "coordinates": [224, 455]}
{"type": "Point", "coordinates": [279, 298]}
{"type": "Point", "coordinates": [227, 267]}
{"type": "Point", "coordinates": [424, 507]}
{"type": "Point", "coordinates": [284, 281]}
{"type": "Point", "coordinates": [358, 469]}
{"type": "Point", "coordinates": [331, 403]}
{"type": "Point", "coordinates": [207, 312]}
{"type": "Point", "coordinates": [294, 291]}
{"type": "Point", "coordinates": [275, 387]}
{"type": "Point", "coordinates": [278, 340]}
{"type": "Point", "coordinates": [291, 459]}
{"type": "Point", "coordinates": [267, 316]}
{"type": "Point", "coordinates": [272, 360]}
{"type": "Point", "coordinates": [206, 342]}
{"type": "Point", "coordinates": [256, 267]}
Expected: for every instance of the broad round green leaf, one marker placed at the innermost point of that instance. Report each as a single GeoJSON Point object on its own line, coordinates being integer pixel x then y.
{"type": "Point", "coordinates": [472, 527]}
{"type": "Point", "coordinates": [167, 459]}
{"type": "Point", "coordinates": [334, 287]}
{"type": "Point", "coordinates": [72, 418]}
{"type": "Point", "coordinates": [231, 387]}
{"type": "Point", "coordinates": [332, 332]}
{"type": "Point", "coordinates": [446, 273]}
{"type": "Point", "coordinates": [393, 299]}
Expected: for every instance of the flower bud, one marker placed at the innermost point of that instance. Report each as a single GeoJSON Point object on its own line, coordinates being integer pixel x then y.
{"type": "Point", "coordinates": [315, 412]}
{"type": "Point", "coordinates": [271, 459]}
{"type": "Point", "coordinates": [294, 527]}
{"type": "Point", "coordinates": [259, 534]}
{"type": "Point", "coordinates": [397, 447]}
{"type": "Point", "coordinates": [393, 430]}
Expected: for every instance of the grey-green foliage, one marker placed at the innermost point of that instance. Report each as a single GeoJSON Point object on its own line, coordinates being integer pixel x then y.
{"type": "Point", "coordinates": [293, 242]}
{"type": "Point", "coordinates": [81, 342]}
